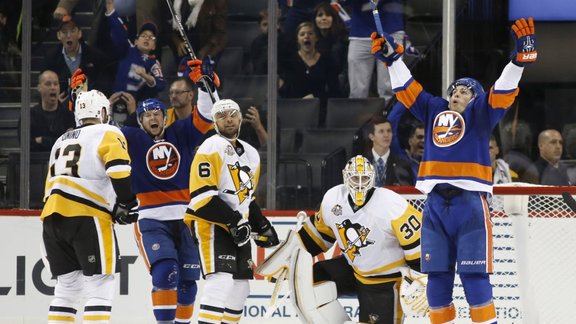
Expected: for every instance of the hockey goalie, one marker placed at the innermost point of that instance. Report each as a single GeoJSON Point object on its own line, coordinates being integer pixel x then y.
{"type": "Point", "coordinates": [378, 233]}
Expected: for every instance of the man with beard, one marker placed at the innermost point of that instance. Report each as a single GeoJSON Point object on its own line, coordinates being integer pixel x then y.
{"type": "Point", "coordinates": [50, 118]}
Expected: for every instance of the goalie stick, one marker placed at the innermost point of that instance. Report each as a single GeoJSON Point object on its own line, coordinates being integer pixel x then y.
{"type": "Point", "coordinates": [188, 45]}
{"type": "Point", "coordinates": [569, 200]}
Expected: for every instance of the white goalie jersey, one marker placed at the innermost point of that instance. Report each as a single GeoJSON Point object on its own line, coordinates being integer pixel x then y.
{"type": "Point", "coordinates": [377, 239]}
{"type": "Point", "coordinates": [82, 162]}
{"type": "Point", "coordinates": [221, 170]}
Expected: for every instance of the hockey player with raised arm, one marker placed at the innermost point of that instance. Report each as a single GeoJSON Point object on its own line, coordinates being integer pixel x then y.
{"type": "Point", "coordinates": [87, 191]}
{"type": "Point", "coordinates": [378, 232]}
{"type": "Point", "coordinates": [456, 173]}
{"type": "Point", "coordinates": [161, 158]}
{"type": "Point", "coordinates": [221, 214]}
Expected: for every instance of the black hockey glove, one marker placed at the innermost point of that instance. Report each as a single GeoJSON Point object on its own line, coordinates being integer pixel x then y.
{"type": "Point", "coordinates": [126, 213]}
{"type": "Point", "coordinates": [240, 230]}
{"type": "Point", "coordinates": [267, 233]}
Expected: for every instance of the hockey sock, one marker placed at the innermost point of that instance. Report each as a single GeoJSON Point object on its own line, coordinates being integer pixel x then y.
{"type": "Point", "coordinates": [164, 295]}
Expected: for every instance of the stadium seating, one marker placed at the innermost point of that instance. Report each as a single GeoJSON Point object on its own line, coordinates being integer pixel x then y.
{"type": "Point", "coordinates": [345, 112]}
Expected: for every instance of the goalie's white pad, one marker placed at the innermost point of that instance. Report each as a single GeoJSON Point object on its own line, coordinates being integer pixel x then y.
{"type": "Point", "coordinates": [413, 293]}
{"type": "Point", "coordinates": [318, 305]}
{"type": "Point", "coordinates": [272, 266]}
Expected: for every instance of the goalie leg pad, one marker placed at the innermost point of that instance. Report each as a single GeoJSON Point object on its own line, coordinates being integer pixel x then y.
{"type": "Point", "coordinates": [316, 305]}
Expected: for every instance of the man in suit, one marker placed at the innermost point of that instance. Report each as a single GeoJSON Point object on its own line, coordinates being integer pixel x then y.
{"type": "Point", "coordinates": [391, 170]}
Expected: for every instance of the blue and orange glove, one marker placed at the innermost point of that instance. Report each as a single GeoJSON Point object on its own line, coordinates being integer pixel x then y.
{"type": "Point", "coordinates": [385, 48]}
{"type": "Point", "coordinates": [203, 69]}
{"type": "Point", "coordinates": [78, 83]}
{"type": "Point", "coordinates": [525, 51]}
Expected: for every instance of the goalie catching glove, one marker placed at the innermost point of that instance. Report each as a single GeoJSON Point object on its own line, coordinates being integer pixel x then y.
{"type": "Point", "coordinates": [239, 229]}
{"type": "Point", "coordinates": [385, 49]}
{"type": "Point", "coordinates": [204, 70]}
{"type": "Point", "coordinates": [126, 213]}
{"type": "Point", "coordinates": [524, 34]}
{"type": "Point", "coordinates": [413, 293]}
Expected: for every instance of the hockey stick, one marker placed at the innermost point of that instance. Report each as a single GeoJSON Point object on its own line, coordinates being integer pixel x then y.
{"type": "Point", "coordinates": [377, 20]}
{"type": "Point", "coordinates": [188, 45]}
{"type": "Point", "coordinates": [569, 200]}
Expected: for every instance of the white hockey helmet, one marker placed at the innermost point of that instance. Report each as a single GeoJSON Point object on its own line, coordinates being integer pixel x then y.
{"type": "Point", "coordinates": [89, 104]}
{"type": "Point", "coordinates": [224, 105]}
{"type": "Point", "coordinates": [358, 177]}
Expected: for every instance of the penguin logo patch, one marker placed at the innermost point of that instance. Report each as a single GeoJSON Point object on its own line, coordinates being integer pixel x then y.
{"type": "Point", "coordinates": [163, 160]}
{"type": "Point", "coordinates": [242, 177]}
{"type": "Point", "coordinates": [354, 237]}
{"type": "Point", "coordinates": [449, 127]}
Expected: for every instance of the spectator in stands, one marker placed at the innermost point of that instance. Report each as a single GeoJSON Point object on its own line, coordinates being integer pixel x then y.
{"type": "Point", "coordinates": [123, 107]}
{"type": "Point", "coordinates": [332, 34]}
{"type": "Point", "coordinates": [391, 170]}
{"type": "Point", "coordinates": [411, 149]}
{"type": "Point", "coordinates": [307, 73]}
{"type": "Point", "coordinates": [550, 171]}
{"type": "Point", "coordinates": [138, 72]}
{"type": "Point", "coordinates": [73, 53]}
{"type": "Point", "coordinates": [259, 46]}
{"type": "Point", "coordinates": [50, 118]}
{"type": "Point", "coordinates": [205, 25]}
{"type": "Point", "coordinates": [501, 172]}
{"type": "Point", "coordinates": [299, 12]}
{"type": "Point", "coordinates": [361, 26]}
{"type": "Point", "coordinates": [181, 96]}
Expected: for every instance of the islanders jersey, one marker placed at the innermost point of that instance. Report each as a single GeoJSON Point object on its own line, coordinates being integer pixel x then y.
{"type": "Point", "coordinates": [163, 166]}
{"type": "Point", "coordinates": [82, 162]}
{"type": "Point", "coordinates": [219, 169]}
{"type": "Point", "coordinates": [457, 144]}
{"type": "Point", "coordinates": [377, 239]}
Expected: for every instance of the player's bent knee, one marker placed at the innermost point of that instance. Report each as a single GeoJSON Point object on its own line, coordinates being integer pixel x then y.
{"type": "Point", "coordinates": [217, 287]}
{"type": "Point", "coordinates": [100, 287]}
{"type": "Point", "coordinates": [165, 274]}
{"type": "Point", "coordinates": [477, 288]}
{"type": "Point", "coordinates": [187, 290]}
{"type": "Point", "coordinates": [439, 289]}
{"type": "Point", "coordinates": [240, 291]}
{"type": "Point", "coordinates": [69, 288]}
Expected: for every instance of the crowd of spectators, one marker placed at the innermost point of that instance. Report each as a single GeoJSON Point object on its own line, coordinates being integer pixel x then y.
{"type": "Point", "coordinates": [321, 54]}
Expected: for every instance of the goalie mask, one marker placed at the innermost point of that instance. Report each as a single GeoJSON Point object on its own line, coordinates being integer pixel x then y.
{"type": "Point", "coordinates": [358, 177]}
{"type": "Point", "coordinates": [472, 84]}
{"type": "Point", "coordinates": [89, 104]}
{"type": "Point", "coordinates": [225, 106]}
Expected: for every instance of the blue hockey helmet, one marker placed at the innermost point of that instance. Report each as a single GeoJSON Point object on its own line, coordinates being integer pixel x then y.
{"type": "Point", "coordinates": [469, 83]}
{"type": "Point", "coordinates": [150, 104]}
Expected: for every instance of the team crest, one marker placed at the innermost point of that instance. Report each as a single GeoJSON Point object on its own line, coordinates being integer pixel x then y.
{"type": "Point", "coordinates": [337, 210]}
{"type": "Point", "coordinates": [242, 177]}
{"type": "Point", "coordinates": [229, 150]}
{"type": "Point", "coordinates": [353, 237]}
{"type": "Point", "coordinates": [449, 127]}
{"type": "Point", "coordinates": [163, 160]}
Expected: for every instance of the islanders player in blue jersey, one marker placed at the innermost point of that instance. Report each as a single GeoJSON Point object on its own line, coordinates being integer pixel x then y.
{"type": "Point", "coordinates": [161, 157]}
{"type": "Point", "coordinates": [456, 173]}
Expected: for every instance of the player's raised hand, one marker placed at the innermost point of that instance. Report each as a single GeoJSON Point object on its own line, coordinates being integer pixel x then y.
{"type": "Point", "coordinates": [385, 49]}
{"type": "Point", "coordinates": [78, 83]}
{"type": "Point", "coordinates": [203, 69]}
{"type": "Point", "coordinates": [525, 50]}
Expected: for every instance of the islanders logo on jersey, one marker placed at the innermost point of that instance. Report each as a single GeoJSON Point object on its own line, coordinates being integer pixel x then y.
{"type": "Point", "coordinates": [163, 160]}
{"type": "Point", "coordinates": [448, 128]}
{"type": "Point", "coordinates": [353, 237]}
{"type": "Point", "coordinates": [242, 178]}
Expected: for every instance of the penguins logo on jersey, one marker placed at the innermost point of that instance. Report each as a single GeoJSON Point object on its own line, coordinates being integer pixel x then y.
{"type": "Point", "coordinates": [242, 177]}
{"type": "Point", "coordinates": [163, 160]}
{"type": "Point", "coordinates": [353, 237]}
{"type": "Point", "coordinates": [448, 128]}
